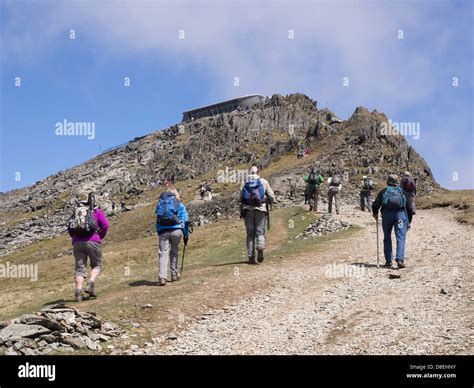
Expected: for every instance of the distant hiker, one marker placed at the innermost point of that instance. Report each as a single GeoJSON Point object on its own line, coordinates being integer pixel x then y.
{"type": "Point", "coordinates": [334, 192]}
{"type": "Point", "coordinates": [313, 182]}
{"type": "Point", "coordinates": [392, 202]}
{"type": "Point", "coordinates": [257, 198]}
{"type": "Point", "coordinates": [87, 226]}
{"type": "Point", "coordinates": [205, 191]}
{"type": "Point", "coordinates": [366, 187]}
{"type": "Point", "coordinates": [202, 190]}
{"type": "Point", "coordinates": [408, 184]}
{"type": "Point", "coordinates": [208, 192]}
{"type": "Point", "coordinates": [171, 225]}
{"type": "Point", "coordinates": [122, 205]}
{"type": "Point", "coordinates": [113, 205]}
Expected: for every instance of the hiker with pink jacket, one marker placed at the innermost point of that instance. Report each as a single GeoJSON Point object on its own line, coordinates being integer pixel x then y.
{"type": "Point", "coordinates": [87, 226]}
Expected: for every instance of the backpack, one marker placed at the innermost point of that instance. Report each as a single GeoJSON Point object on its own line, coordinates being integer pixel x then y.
{"type": "Point", "coordinates": [368, 184]}
{"type": "Point", "coordinates": [313, 178]}
{"type": "Point", "coordinates": [408, 184]}
{"type": "Point", "coordinates": [393, 198]}
{"type": "Point", "coordinates": [82, 222]}
{"type": "Point", "coordinates": [335, 180]}
{"type": "Point", "coordinates": [167, 210]}
{"type": "Point", "coordinates": [253, 193]}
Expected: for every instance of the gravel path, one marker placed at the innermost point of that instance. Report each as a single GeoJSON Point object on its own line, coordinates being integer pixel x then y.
{"type": "Point", "coordinates": [321, 304]}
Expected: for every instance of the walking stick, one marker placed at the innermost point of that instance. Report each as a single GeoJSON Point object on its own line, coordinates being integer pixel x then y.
{"type": "Point", "coordinates": [182, 259]}
{"type": "Point", "coordinates": [190, 226]}
{"type": "Point", "coordinates": [268, 216]}
{"type": "Point", "coordinates": [377, 226]}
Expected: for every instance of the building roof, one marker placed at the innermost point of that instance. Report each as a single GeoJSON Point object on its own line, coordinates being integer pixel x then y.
{"type": "Point", "coordinates": [223, 102]}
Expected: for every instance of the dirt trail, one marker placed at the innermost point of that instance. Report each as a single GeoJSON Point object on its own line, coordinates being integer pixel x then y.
{"type": "Point", "coordinates": [309, 308]}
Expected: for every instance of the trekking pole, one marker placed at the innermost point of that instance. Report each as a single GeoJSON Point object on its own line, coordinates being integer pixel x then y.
{"type": "Point", "coordinates": [190, 230]}
{"type": "Point", "coordinates": [182, 259]}
{"type": "Point", "coordinates": [378, 256]}
{"type": "Point", "coordinates": [268, 216]}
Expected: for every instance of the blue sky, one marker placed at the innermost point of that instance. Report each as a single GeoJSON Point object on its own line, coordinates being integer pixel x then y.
{"type": "Point", "coordinates": [82, 79]}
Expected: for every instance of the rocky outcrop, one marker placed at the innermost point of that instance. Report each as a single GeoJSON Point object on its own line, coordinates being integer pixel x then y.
{"type": "Point", "coordinates": [324, 225]}
{"type": "Point", "coordinates": [56, 328]}
{"type": "Point", "coordinates": [189, 150]}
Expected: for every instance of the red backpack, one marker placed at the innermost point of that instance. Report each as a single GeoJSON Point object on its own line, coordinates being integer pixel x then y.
{"type": "Point", "coordinates": [408, 184]}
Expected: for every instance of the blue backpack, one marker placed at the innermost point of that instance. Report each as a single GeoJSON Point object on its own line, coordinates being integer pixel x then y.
{"type": "Point", "coordinates": [253, 193]}
{"type": "Point", "coordinates": [167, 210]}
{"type": "Point", "coordinates": [393, 198]}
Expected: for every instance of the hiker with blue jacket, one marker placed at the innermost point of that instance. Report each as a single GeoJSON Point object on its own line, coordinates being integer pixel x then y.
{"type": "Point", "coordinates": [391, 201]}
{"type": "Point", "coordinates": [257, 198]}
{"type": "Point", "coordinates": [171, 225]}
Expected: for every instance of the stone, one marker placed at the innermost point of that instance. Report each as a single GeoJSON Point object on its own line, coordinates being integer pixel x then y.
{"type": "Point", "coordinates": [41, 321]}
{"type": "Point", "coordinates": [16, 331]}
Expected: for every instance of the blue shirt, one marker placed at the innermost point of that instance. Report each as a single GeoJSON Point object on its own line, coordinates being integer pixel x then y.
{"type": "Point", "coordinates": [183, 218]}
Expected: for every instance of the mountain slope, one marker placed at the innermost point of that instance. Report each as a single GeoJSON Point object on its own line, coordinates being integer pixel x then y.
{"type": "Point", "coordinates": [270, 132]}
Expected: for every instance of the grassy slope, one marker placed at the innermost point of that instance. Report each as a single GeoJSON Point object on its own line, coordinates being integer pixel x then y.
{"type": "Point", "coordinates": [459, 199]}
{"type": "Point", "coordinates": [213, 250]}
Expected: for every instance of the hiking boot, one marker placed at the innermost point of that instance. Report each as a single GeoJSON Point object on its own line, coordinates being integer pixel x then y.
{"type": "Point", "coordinates": [260, 255]}
{"type": "Point", "coordinates": [79, 296]}
{"type": "Point", "coordinates": [252, 260]}
{"type": "Point", "coordinates": [162, 282]}
{"type": "Point", "coordinates": [175, 278]}
{"type": "Point", "coordinates": [388, 264]}
{"type": "Point", "coordinates": [400, 264]}
{"type": "Point", "coordinates": [90, 290]}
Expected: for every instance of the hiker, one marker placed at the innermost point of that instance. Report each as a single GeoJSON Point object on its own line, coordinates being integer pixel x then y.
{"type": "Point", "coordinates": [313, 182]}
{"type": "Point", "coordinates": [257, 199]}
{"type": "Point", "coordinates": [408, 184]}
{"type": "Point", "coordinates": [208, 192]}
{"type": "Point", "coordinates": [334, 192]}
{"type": "Point", "coordinates": [367, 185]}
{"type": "Point", "coordinates": [113, 205]}
{"type": "Point", "coordinates": [87, 226]}
{"type": "Point", "coordinates": [171, 225]}
{"type": "Point", "coordinates": [392, 203]}
{"type": "Point", "coordinates": [202, 190]}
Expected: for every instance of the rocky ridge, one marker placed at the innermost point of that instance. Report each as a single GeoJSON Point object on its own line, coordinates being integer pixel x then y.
{"type": "Point", "coordinates": [185, 151]}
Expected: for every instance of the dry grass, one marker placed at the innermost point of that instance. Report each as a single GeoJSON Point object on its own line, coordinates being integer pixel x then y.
{"type": "Point", "coordinates": [216, 252]}
{"type": "Point", "coordinates": [458, 199]}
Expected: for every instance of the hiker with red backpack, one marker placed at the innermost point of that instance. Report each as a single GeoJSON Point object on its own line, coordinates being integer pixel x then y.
{"type": "Point", "coordinates": [366, 187]}
{"type": "Point", "coordinates": [313, 182]}
{"type": "Point", "coordinates": [334, 192]}
{"type": "Point", "coordinates": [391, 201]}
{"type": "Point", "coordinates": [172, 225]}
{"type": "Point", "coordinates": [257, 198]}
{"type": "Point", "coordinates": [408, 184]}
{"type": "Point", "coordinates": [87, 226]}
